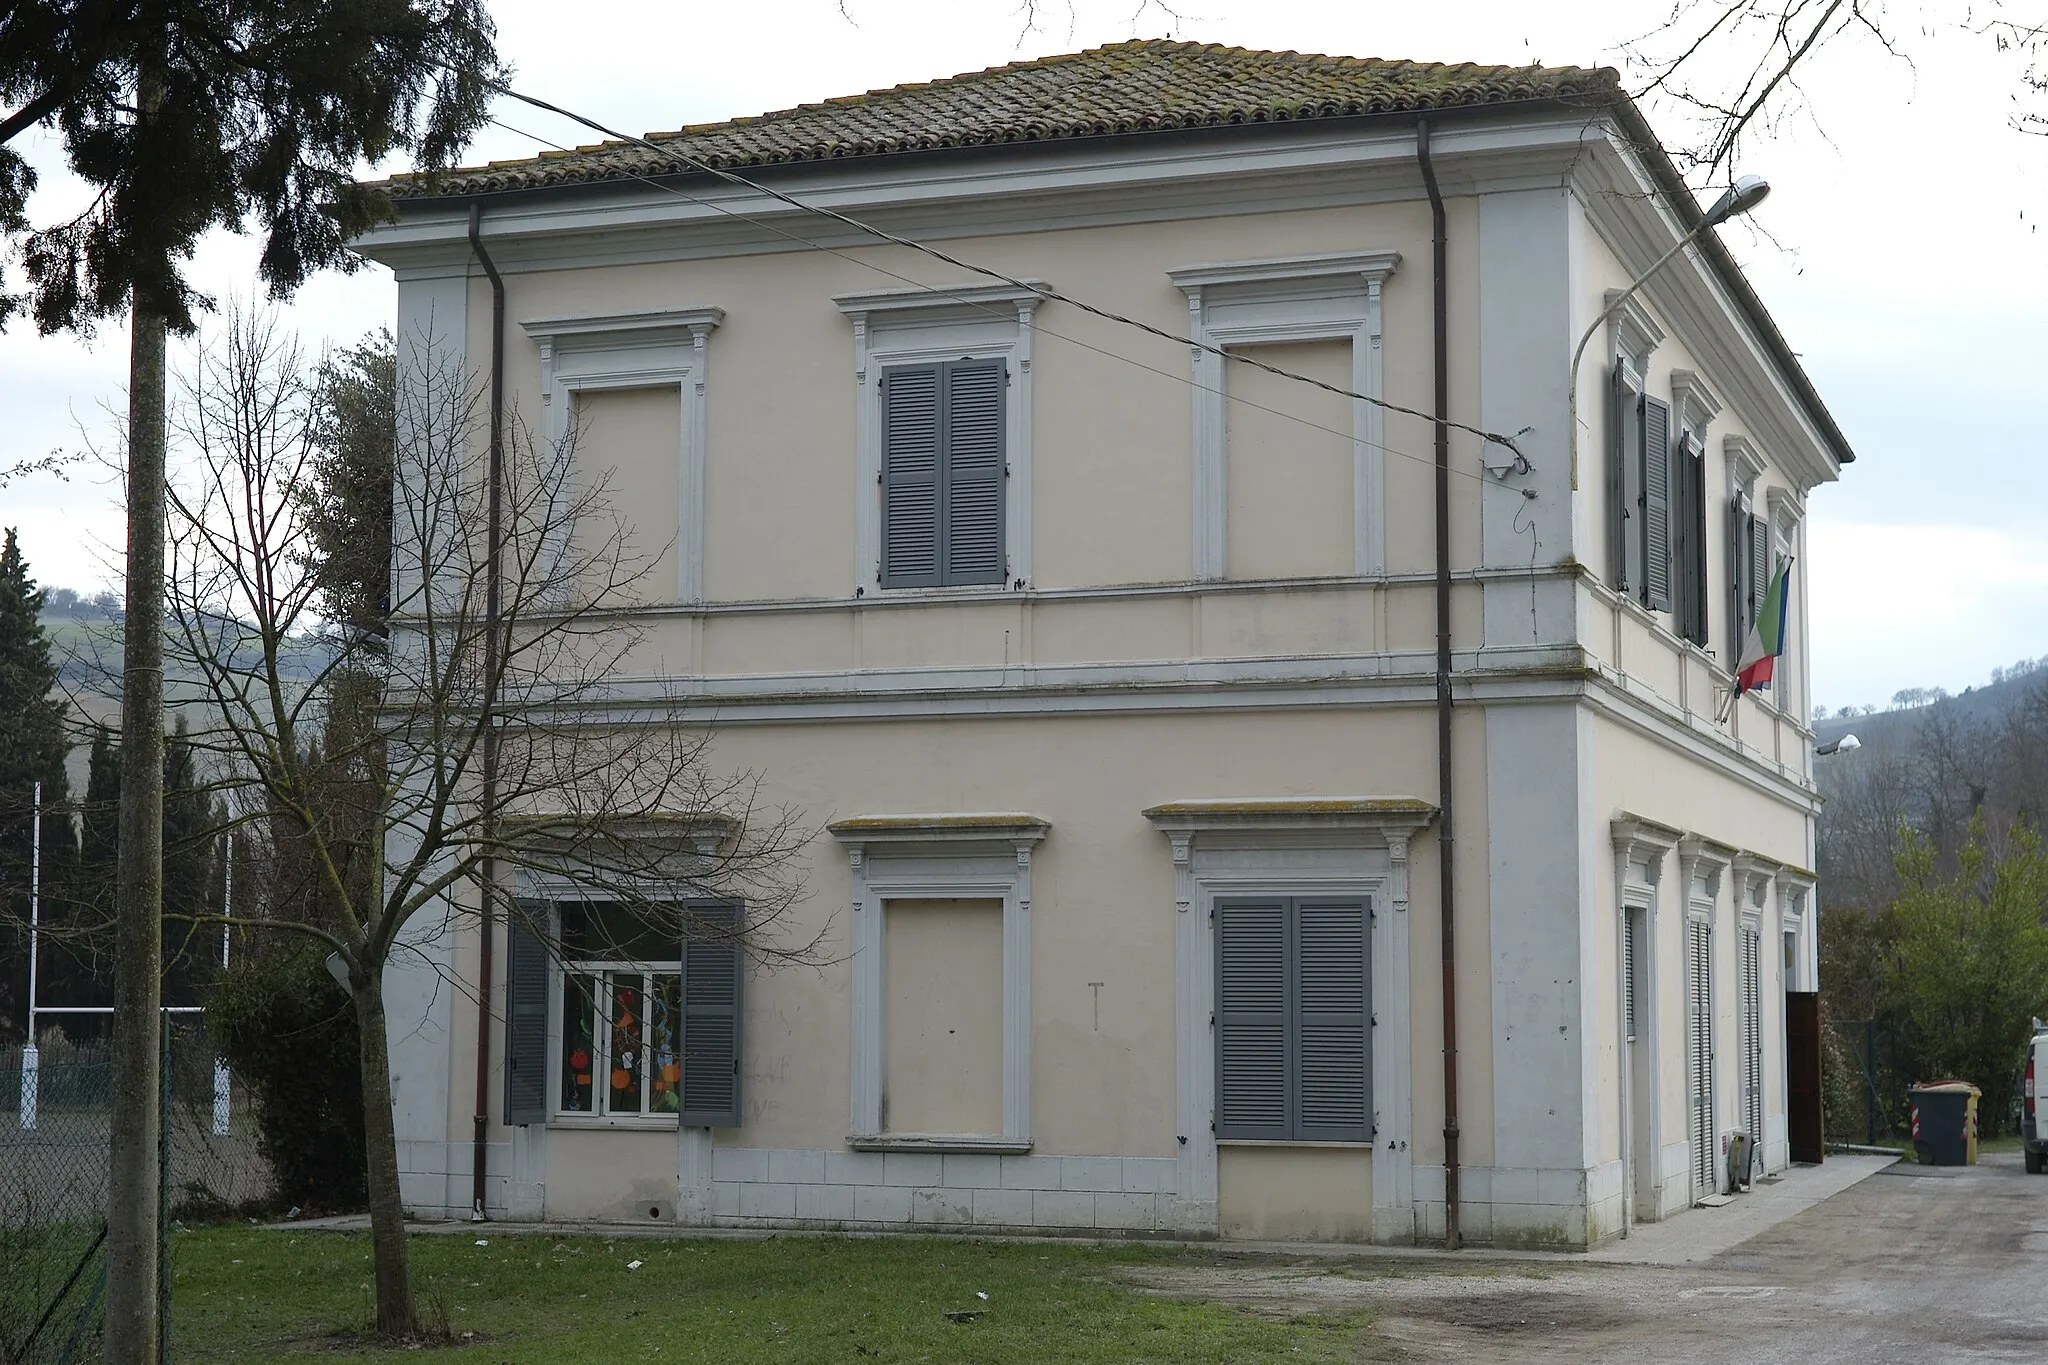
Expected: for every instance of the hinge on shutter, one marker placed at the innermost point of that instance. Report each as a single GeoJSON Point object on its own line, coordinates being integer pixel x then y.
{"type": "Point", "coordinates": [1212, 1019]}
{"type": "Point", "coordinates": [1375, 1020]}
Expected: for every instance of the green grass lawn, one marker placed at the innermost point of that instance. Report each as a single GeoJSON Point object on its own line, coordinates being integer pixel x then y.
{"type": "Point", "coordinates": [255, 1294]}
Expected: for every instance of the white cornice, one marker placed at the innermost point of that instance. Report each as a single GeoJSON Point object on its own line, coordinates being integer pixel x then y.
{"type": "Point", "coordinates": [1636, 838]}
{"type": "Point", "coordinates": [1625, 208]}
{"type": "Point", "coordinates": [1632, 332]}
{"type": "Point", "coordinates": [1745, 466]}
{"type": "Point", "coordinates": [1356, 268]}
{"type": "Point", "coordinates": [926, 299]}
{"type": "Point", "coordinates": [1007, 827]}
{"type": "Point", "coordinates": [1695, 402]}
{"type": "Point", "coordinates": [1399, 816]}
{"type": "Point", "coordinates": [1787, 508]}
{"type": "Point", "coordinates": [672, 326]}
{"type": "Point", "coordinates": [1041, 188]}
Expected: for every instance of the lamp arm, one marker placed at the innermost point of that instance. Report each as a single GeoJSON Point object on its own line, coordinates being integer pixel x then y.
{"type": "Point", "coordinates": [1572, 393]}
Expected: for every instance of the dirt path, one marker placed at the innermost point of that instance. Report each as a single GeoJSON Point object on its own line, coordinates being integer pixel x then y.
{"type": "Point", "coordinates": [1909, 1266]}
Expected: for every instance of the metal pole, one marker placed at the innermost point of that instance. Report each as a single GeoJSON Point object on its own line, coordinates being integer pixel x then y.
{"type": "Point", "coordinates": [1870, 1084]}
{"type": "Point", "coordinates": [163, 1192]}
{"type": "Point", "coordinates": [31, 1056]}
{"type": "Point", "coordinates": [221, 1097]}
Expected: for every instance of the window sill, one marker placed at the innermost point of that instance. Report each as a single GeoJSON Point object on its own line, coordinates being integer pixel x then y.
{"type": "Point", "coordinates": [643, 1123]}
{"type": "Point", "coordinates": [938, 1142]}
{"type": "Point", "coordinates": [1289, 1142]}
{"type": "Point", "coordinates": [951, 592]}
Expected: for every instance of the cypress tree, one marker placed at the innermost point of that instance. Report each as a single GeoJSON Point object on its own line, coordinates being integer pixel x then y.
{"type": "Point", "coordinates": [32, 749]}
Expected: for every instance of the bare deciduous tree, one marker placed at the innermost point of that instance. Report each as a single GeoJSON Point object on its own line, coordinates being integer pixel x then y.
{"type": "Point", "coordinates": [374, 762]}
{"type": "Point", "coordinates": [1739, 66]}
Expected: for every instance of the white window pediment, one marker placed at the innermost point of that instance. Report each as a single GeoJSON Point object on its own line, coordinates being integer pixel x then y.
{"type": "Point", "coordinates": [1632, 334]}
{"type": "Point", "coordinates": [1745, 465]}
{"type": "Point", "coordinates": [1302, 298]}
{"type": "Point", "coordinates": [634, 351]}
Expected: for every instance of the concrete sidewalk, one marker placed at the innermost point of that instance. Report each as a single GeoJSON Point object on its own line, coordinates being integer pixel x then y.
{"type": "Point", "coordinates": [1700, 1234]}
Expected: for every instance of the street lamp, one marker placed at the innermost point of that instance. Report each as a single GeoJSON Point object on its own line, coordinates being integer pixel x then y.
{"type": "Point", "coordinates": [1846, 744]}
{"type": "Point", "coordinates": [1739, 198]}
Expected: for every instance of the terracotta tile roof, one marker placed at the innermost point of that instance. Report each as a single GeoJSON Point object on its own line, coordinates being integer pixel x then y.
{"type": "Point", "coordinates": [1134, 87]}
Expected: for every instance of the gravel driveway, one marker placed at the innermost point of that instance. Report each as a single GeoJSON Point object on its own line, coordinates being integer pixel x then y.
{"type": "Point", "coordinates": [1915, 1264]}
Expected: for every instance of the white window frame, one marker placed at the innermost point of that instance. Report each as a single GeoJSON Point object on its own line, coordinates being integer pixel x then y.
{"type": "Point", "coordinates": [939, 857]}
{"type": "Point", "coordinates": [894, 327]}
{"type": "Point", "coordinates": [1754, 875]}
{"type": "Point", "coordinates": [602, 352]}
{"type": "Point", "coordinates": [1639, 849]}
{"type": "Point", "coordinates": [1785, 512]}
{"type": "Point", "coordinates": [1795, 899]}
{"type": "Point", "coordinates": [599, 1115]}
{"type": "Point", "coordinates": [1702, 864]}
{"type": "Point", "coordinates": [1271, 302]}
{"type": "Point", "coordinates": [1351, 846]}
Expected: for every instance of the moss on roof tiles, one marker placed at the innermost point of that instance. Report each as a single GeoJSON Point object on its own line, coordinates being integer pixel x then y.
{"type": "Point", "coordinates": [1147, 85]}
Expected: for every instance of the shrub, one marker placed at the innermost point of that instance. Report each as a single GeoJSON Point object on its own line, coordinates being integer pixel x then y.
{"type": "Point", "coordinates": [289, 1032]}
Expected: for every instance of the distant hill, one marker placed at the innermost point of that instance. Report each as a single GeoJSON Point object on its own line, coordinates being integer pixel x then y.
{"type": "Point", "coordinates": [1886, 729]}
{"type": "Point", "coordinates": [85, 639]}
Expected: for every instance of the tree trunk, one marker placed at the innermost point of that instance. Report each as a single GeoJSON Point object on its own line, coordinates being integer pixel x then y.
{"type": "Point", "coordinates": [132, 1188]}
{"type": "Point", "coordinates": [393, 1259]}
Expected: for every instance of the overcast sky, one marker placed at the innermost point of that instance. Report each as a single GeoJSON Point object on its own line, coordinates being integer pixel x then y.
{"type": "Point", "coordinates": [1902, 262]}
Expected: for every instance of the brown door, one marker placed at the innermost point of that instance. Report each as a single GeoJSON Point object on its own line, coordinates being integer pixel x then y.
{"type": "Point", "coordinates": [1802, 1071]}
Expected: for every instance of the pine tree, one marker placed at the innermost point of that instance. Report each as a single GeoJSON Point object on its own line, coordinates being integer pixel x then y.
{"type": "Point", "coordinates": [32, 749]}
{"type": "Point", "coordinates": [32, 740]}
{"type": "Point", "coordinates": [185, 115]}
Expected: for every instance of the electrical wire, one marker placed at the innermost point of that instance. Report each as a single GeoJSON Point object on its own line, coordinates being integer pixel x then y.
{"type": "Point", "coordinates": [1041, 290]}
{"type": "Point", "coordinates": [1039, 329]}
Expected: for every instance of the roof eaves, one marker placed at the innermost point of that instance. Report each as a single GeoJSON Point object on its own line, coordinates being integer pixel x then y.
{"type": "Point", "coordinates": [1665, 171]}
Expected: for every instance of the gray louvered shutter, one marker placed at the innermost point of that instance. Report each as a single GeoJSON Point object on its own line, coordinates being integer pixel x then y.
{"type": "Point", "coordinates": [1685, 534]}
{"type": "Point", "coordinates": [714, 984]}
{"type": "Point", "coordinates": [1692, 521]}
{"type": "Point", "coordinates": [1699, 1062]}
{"type": "Point", "coordinates": [1752, 1035]}
{"type": "Point", "coordinates": [1628, 975]}
{"type": "Point", "coordinates": [1656, 504]}
{"type": "Point", "coordinates": [911, 456]}
{"type": "Point", "coordinates": [1332, 973]}
{"type": "Point", "coordinates": [1252, 1081]}
{"type": "Point", "coordinates": [526, 1014]}
{"type": "Point", "coordinates": [971, 530]}
{"type": "Point", "coordinates": [1625, 440]}
{"type": "Point", "coordinates": [1759, 565]}
{"type": "Point", "coordinates": [1740, 594]}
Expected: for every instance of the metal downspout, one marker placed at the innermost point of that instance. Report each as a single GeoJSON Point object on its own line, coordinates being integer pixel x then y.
{"type": "Point", "coordinates": [1445, 838]}
{"type": "Point", "coordinates": [487, 881]}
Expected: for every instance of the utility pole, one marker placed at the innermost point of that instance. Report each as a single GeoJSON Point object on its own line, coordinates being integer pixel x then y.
{"type": "Point", "coordinates": [133, 1176]}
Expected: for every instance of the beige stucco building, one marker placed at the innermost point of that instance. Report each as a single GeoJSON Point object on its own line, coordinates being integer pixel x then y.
{"type": "Point", "coordinates": [1107, 669]}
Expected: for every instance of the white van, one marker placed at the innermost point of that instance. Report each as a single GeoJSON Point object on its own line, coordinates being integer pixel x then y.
{"type": "Point", "coordinates": [2033, 1128]}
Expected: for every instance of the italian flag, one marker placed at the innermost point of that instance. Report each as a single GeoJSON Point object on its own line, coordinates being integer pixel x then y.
{"type": "Point", "coordinates": [1767, 636]}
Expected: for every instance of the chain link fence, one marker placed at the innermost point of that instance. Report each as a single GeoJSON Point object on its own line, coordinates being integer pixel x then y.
{"type": "Point", "coordinates": [53, 1179]}
{"type": "Point", "coordinates": [1869, 1069]}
